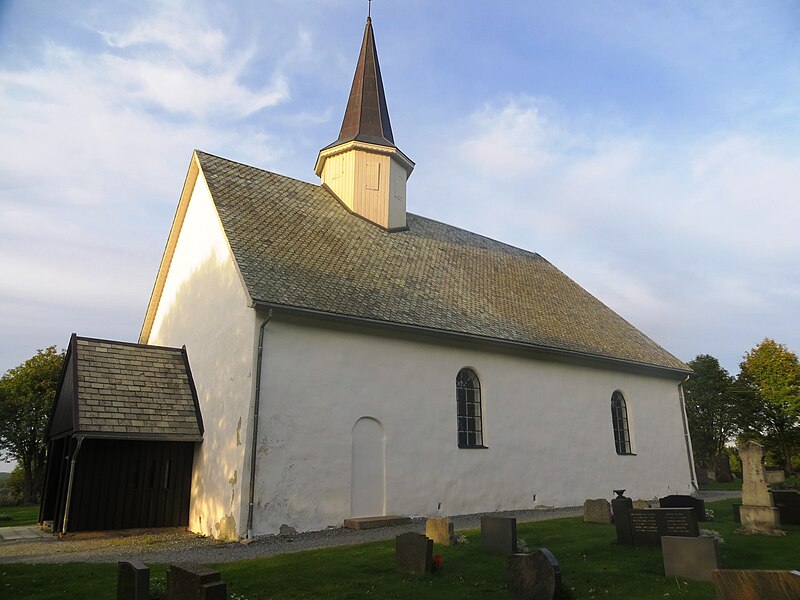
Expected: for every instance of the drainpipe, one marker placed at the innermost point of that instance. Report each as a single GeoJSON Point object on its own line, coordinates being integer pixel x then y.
{"type": "Point", "coordinates": [686, 435]}
{"type": "Point", "coordinates": [69, 485]}
{"type": "Point", "coordinates": [254, 440]}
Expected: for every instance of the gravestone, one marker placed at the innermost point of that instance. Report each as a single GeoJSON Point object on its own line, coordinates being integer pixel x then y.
{"type": "Point", "coordinates": [597, 511]}
{"type": "Point", "coordinates": [702, 476]}
{"type": "Point", "coordinates": [788, 504]}
{"type": "Point", "coordinates": [440, 530]}
{"type": "Point", "coordinates": [622, 507]}
{"type": "Point", "coordinates": [413, 553]}
{"type": "Point", "coordinates": [731, 584]}
{"type": "Point", "coordinates": [534, 576]}
{"type": "Point", "coordinates": [499, 534]}
{"type": "Point", "coordinates": [641, 504]}
{"type": "Point", "coordinates": [195, 582]}
{"type": "Point", "coordinates": [683, 501]}
{"type": "Point", "coordinates": [693, 558]}
{"type": "Point", "coordinates": [133, 580]}
{"type": "Point", "coordinates": [722, 469]}
{"type": "Point", "coordinates": [649, 525]}
{"type": "Point", "coordinates": [737, 518]}
{"type": "Point", "coordinates": [774, 476]}
{"type": "Point", "coordinates": [757, 514]}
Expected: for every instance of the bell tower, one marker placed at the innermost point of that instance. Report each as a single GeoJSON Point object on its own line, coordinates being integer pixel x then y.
{"type": "Point", "coordinates": [363, 167]}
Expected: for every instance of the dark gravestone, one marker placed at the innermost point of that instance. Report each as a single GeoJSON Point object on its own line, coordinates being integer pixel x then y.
{"type": "Point", "coordinates": [702, 476]}
{"type": "Point", "coordinates": [731, 584]}
{"type": "Point", "coordinates": [649, 525]}
{"type": "Point", "coordinates": [133, 580]}
{"type": "Point", "coordinates": [621, 507]}
{"type": "Point", "coordinates": [534, 576]}
{"type": "Point", "coordinates": [693, 558]}
{"type": "Point", "coordinates": [413, 553]}
{"type": "Point", "coordinates": [682, 501]}
{"type": "Point", "coordinates": [737, 517]}
{"type": "Point", "coordinates": [722, 469]}
{"type": "Point", "coordinates": [788, 504]}
{"type": "Point", "coordinates": [195, 582]}
{"type": "Point", "coordinates": [499, 534]}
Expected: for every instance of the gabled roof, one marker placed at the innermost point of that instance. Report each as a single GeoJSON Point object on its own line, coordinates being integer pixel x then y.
{"type": "Point", "coordinates": [298, 247]}
{"type": "Point", "coordinates": [129, 391]}
{"type": "Point", "coordinates": [366, 118]}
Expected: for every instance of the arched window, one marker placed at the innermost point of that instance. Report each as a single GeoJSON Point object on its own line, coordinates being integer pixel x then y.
{"type": "Point", "coordinates": [468, 400]}
{"type": "Point", "coordinates": [619, 421]}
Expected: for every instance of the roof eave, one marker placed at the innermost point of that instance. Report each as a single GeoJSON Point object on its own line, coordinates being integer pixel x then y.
{"type": "Point", "coordinates": [672, 372]}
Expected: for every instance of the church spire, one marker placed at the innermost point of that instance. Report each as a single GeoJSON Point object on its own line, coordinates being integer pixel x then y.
{"type": "Point", "coordinates": [363, 167]}
{"type": "Point", "coordinates": [367, 118]}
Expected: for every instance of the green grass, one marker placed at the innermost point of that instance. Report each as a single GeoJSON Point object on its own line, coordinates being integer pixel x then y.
{"type": "Point", "coordinates": [592, 566]}
{"type": "Point", "coordinates": [20, 515]}
{"type": "Point", "coordinates": [736, 484]}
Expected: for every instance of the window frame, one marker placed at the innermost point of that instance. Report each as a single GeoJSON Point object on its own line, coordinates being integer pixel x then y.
{"type": "Point", "coordinates": [469, 410]}
{"type": "Point", "coordinates": [620, 424]}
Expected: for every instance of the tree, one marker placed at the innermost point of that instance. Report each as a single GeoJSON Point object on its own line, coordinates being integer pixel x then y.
{"type": "Point", "coordinates": [27, 393]}
{"type": "Point", "coordinates": [769, 384]}
{"type": "Point", "coordinates": [709, 409]}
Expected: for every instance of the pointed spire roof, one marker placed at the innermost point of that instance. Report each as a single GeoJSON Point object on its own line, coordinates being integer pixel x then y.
{"type": "Point", "coordinates": [367, 117]}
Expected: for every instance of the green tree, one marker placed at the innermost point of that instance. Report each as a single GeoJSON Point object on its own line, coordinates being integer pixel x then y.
{"type": "Point", "coordinates": [27, 393]}
{"type": "Point", "coordinates": [769, 387]}
{"type": "Point", "coordinates": [709, 409]}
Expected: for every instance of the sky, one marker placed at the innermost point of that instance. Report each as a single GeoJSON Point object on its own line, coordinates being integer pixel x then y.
{"type": "Point", "coordinates": [651, 151]}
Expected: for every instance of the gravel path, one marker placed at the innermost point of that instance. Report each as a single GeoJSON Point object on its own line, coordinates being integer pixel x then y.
{"type": "Point", "coordinates": [178, 545]}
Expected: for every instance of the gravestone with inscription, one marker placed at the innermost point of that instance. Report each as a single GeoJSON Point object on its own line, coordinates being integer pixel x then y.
{"type": "Point", "coordinates": [649, 525]}
{"type": "Point", "coordinates": [499, 534]}
{"type": "Point", "coordinates": [133, 580]}
{"type": "Point", "coordinates": [683, 501]}
{"type": "Point", "coordinates": [757, 514]}
{"type": "Point", "coordinates": [413, 553]}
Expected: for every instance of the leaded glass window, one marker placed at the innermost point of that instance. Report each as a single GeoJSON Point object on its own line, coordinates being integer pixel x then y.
{"type": "Point", "coordinates": [468, 400]}
{"type": "Point", "coordinates": [619, 421]}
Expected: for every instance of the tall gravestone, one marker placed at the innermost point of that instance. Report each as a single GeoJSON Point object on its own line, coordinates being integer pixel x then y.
{"type": "Point", "coordinates": [722, 469]}
{"type": "Point", "coordinates": [133, 580]}
{"type": "Point", "coordinates": [757, 514]}
{"type": "Point", "coordinates": [621, 507]}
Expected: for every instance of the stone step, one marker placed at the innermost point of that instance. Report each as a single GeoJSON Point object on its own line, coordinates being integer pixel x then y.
{"type": "Point", "coordinates": [375, 522]}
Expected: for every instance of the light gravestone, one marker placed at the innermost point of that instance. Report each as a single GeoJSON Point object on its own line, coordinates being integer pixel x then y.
{"type": "Point", "coordinates": [440, 530]}
{"type": "Point", "coordinates": [499, 534]}
{"type": "Point", "coordinates": [757, 514]}
{"type": "Point", "coordinates": [133, 580]}
{"type": "Point", "coordinates": [413, 553]}
{"type": "Point", "coordinates": [731, 584]}
{"type": "Point", "coordinates": [534, 576]}
{"type": "Point", "coordinates": [693, 558]}
{"type": "Point", "coordinates": [597, 511]}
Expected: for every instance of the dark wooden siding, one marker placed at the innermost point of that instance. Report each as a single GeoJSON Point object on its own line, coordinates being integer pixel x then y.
{"type": "Point", "coordinates": [125, 484]}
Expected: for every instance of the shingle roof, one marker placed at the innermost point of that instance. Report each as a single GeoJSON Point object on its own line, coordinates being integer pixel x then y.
{"type": "Point", "coordinates": [136, 391]}
{"type": "Point", "coordinates": [297, 245]}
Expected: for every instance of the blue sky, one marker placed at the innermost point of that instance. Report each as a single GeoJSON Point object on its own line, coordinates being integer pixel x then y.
{"type": "Point", "coordinates": [649, 150]}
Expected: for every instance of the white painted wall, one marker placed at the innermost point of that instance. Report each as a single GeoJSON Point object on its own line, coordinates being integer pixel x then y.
{"type": "Point", "coordinates": [547, 425]}
{"type": "Point", "coordinates": [204, 306]}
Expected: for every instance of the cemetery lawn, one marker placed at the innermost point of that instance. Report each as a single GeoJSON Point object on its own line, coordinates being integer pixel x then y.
{"type": "Point", "coordinates": [736, 484]}
{"type": "Point", "coordinates": [592, 566]}
{"type": "Point", "coordinates": [19, 515]}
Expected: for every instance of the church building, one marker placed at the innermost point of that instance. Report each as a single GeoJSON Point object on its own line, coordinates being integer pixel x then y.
{"type": "Point", "coordinates": [351, 359]}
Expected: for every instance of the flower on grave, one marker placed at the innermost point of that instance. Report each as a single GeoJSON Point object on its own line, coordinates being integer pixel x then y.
{"type": "Point", "coordinates": [436, 563]}
{"type": "Point", "coordinates": [522, 546]}
{"type": "Point", "coordinates": [709, 514]}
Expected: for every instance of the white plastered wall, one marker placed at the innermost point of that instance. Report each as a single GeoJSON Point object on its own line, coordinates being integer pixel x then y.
{"type": "Point", "coordinates": [547, 427]}
{"type": "Point", "coordinates": [204, 306]}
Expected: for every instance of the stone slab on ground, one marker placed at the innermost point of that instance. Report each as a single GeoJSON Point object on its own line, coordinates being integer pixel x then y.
{"type": "Point", "coordinates": [732, 584]}
{"type": "Point", "coordinates": [24, 532]}
{"type": "Point", "coordinates": [694, 558]}
{"type": "Point", "coordinates": [376, 522]}
{"type": "Point", "coordinates": [597, 511]}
